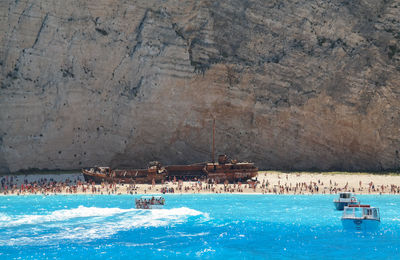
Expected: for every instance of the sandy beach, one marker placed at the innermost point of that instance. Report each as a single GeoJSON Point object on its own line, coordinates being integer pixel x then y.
{"type": "Point", "coordinates": [269, 182]}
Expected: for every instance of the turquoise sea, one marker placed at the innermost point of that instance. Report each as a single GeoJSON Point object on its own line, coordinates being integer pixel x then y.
{"type": "Point", "coordinates": [192, 226]}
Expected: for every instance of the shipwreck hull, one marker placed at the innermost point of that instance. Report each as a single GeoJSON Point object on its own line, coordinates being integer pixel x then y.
{"type": "Point", "coordinates": [96, 178]}
{"type": "Point", "coordinates": [231, 172]}
{"type": "Point", "coordinates": [182, 172]}
{"type": "Point", "coordinates": [220, 172]}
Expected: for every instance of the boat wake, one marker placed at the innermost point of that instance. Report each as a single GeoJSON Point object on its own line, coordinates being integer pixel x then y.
{"type": "Point", "coordinates": [87, 223]}
{"type": "Point", "coordinates": [62, 215]}
{"type": "Point", "coordinates": [4, 217]}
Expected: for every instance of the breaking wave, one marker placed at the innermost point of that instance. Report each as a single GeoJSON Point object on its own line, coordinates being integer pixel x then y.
{"type": "Point", "coordinates": [4, 217]}
{"type": "Point", "coordinates": [65, 214]}
{"type": "Point", "coordinates": [90, 223]}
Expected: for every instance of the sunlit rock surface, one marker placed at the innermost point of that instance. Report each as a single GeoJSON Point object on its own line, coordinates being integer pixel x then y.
{"type": "Point", "coordinates": [292, 84]}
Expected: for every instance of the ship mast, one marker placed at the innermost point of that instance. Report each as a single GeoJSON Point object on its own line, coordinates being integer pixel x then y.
{"type": "Point", "coordinates": [213, 141]}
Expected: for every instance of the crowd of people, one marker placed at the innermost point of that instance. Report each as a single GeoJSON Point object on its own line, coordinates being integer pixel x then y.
{"type": "Point", "coordinates": [10, 185]}
{"type": "Point", "coordinates": [47, 186]}
{"type": "Point", "coordinates": [147, 203]}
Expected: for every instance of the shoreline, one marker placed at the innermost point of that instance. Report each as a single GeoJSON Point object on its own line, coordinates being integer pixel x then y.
{"type": "Point", "coordinates": [268, 183]}
{"type": "Point", "coordinates": [187, 194]}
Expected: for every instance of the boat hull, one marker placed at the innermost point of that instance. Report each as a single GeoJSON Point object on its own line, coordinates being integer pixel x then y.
{"type": "Point", "coordinates": [231, 172]}
{"type": "Point", "coordinates": [150, 207]}
{"type": "Point", "coordinates": [96, 178]}
{"type": "Point", "coordinates": [360, 224]}
{"type": "Point", "coordinates": [339, 205]}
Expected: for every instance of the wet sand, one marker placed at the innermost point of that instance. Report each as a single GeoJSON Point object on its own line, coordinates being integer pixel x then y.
{"type": "Point", "coordinates": [267, 183]}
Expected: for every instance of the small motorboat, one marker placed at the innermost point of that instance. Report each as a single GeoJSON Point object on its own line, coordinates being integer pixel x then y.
{"type": "Point", "coordinates": [361, 217]}
{"type": "Point", "coordinates": [345, 199]}
{"type": "Point", "coordinates": [150, 202]}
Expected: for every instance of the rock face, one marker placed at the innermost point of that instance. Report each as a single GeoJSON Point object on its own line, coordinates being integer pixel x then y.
{"type": "Point", "coordinates": [308, 84]}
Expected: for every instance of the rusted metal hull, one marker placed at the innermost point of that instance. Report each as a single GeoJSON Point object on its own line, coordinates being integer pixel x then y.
{"type": "Point", "coordinates": [186, 171]}
{"type": "Point", "coordinates": [231, 172]}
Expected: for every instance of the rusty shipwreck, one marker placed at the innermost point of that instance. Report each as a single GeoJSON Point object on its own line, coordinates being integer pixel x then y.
{"type": "Point", "coordinates": [224, 169]}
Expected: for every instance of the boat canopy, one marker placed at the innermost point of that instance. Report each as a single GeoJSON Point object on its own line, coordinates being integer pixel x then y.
{"type": "Point", "coordinates": [361, 212]}
{"type": "Point", "coordinates": [345, 195]}
{"type": "Point", "coordinates": [358, 206]}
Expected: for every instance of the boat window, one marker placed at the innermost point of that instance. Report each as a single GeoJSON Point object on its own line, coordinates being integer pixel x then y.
{"type": "Point", "coordinates": [348, 212]}
{"type": "Point", "coordinates": [375, 213]}
{"type": "Point", "coordinates": [368, 212]}
{"type": "Point", "coordinates": [345, 195]}
{"type": "Point", "coordinates": [358, 212]}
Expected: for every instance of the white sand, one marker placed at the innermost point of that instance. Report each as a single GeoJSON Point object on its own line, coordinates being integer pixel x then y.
{"type": "Point", "coordinates": [278, 182]}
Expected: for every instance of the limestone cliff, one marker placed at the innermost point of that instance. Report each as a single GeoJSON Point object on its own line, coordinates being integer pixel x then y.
{"type": "Point", "coordinates": [307, 84]}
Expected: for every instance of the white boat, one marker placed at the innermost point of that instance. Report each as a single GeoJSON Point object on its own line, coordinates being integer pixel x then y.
{"type": "Point", "coordinates": [345, 199]}
{"type": "Point", "coordinates": [361, 217]}
{"type": "Point", "coordinates": [150, 202]}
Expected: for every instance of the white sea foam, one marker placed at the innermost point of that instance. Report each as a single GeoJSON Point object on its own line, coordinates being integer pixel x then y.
{"type": "Point", "coordinates": [66, 214]}
{"type": "Point", "coordinates": [92, 223]}
{"type": "Point", "coordinates": [139, 245]}
{"type": "Point", "coordinates": [4, 217]}
{"type": "Point", "coordinates": [192, 235]}
{"type": "Point", "coordinates": [204, 251]}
